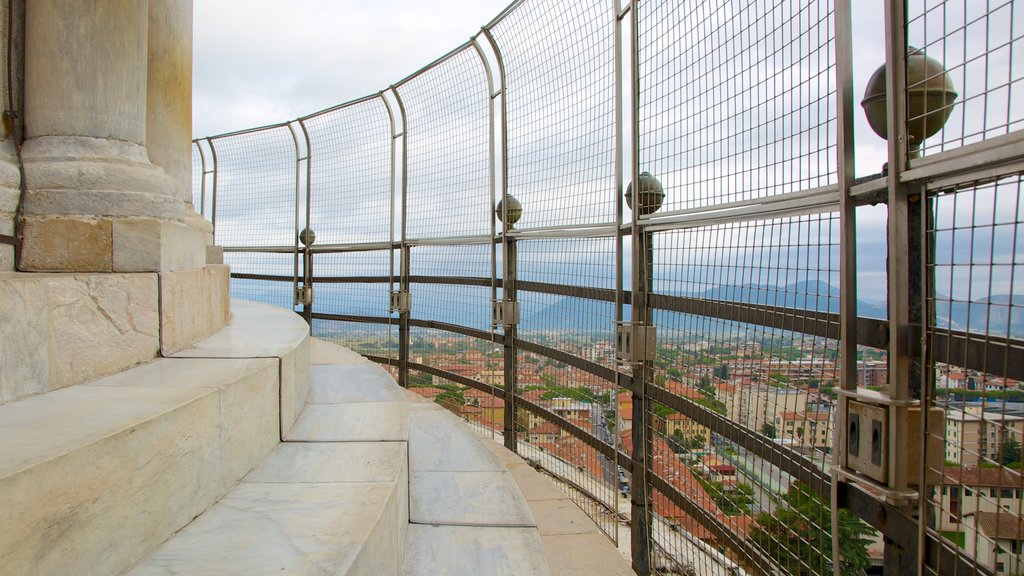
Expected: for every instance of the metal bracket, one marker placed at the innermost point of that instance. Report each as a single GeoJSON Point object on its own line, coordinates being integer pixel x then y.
{"type": "Point", "coordinates": [635, 343]}
{"type": "Point", "coordinates": [401, 302]}
{"type": "Point", "coordinates": [504, 313]}
{"type": "Point", "coordinates": [304, 295]}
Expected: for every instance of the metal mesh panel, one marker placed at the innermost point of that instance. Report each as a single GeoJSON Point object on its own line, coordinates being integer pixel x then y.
{"type": "Point", "coordinates": [276, 292]}
{"type": "Point", "coordinates": [570, 321]}
{"type": "Point", "coordinates": [585, 475]}
{"type": "Point", "coordinates": [738, 98]}
{"type": "Point", "coordinates": [256, 180]}
{"type": "Point", "coordinates": [448, 135]}
{"type": "Point", "coordinates": [354, 284]}
{"type": "Point", "coordinates": [197, 179]}
{"type": "Point", "coordinates": [771, 380]}
{"type": "Point", "coordinates": [464, 305]}
{"type": "Point", "coordinates": [559, 70]}
{"type": "Point", "coordinates": [350, 174]}
{"type": "Point", "coordinates": [981, 46]}
{"type": "Point", "coordinates": [977, 258]}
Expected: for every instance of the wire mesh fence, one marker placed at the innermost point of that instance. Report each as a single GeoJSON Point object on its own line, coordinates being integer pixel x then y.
{"type": "Point", "coordinates": [722, 442]}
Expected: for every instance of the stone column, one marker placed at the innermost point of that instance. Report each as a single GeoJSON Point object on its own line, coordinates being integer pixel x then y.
{"type": "Point", "coordinates": [94, 202]}
{"type": "Point", "coordinates": [169, 101]}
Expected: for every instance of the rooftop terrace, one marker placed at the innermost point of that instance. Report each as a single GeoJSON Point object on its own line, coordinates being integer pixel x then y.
{"type": "Point", "coordinates": [627, 245]}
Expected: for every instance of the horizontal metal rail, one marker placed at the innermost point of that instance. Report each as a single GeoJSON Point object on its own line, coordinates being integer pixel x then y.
{"type": "Point", "coordinates": [902, 530]}
{"type": "Point", "coordinates": [958, 348]}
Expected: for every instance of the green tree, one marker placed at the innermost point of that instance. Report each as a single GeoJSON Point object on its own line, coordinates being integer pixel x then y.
{"type": "Point", "coordinates": [1009, 452]}
{"type": "Point", "coordinates": [769, 430]}
{"type": "Point", "coordinates": [799, 537]}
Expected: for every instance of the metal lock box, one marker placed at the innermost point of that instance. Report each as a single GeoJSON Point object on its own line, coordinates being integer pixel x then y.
{"type": "Point", "coordinates": [867, 440]}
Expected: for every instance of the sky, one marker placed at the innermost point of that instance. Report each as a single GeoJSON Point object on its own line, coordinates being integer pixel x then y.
{"type": "Point", "coordinates": [259, 62]}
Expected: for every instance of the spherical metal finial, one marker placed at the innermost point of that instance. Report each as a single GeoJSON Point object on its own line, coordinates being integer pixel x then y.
{"type": "Point", "coordinates": [307, 237]}
{"type": "Point", "coordinates": [930, 97]}
{"type": "Point", "coordinates": [652, 195]}
{"type": "Point", "coordinates": [515, 210]}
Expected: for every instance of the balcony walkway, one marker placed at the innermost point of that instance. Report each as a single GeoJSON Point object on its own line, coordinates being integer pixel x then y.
{"type": "Point", "coordinates": [262, 451]}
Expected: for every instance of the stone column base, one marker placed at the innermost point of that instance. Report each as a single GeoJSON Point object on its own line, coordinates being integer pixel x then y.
{"type": "Point", "coordinates": [98, 205]}
{"type": "Point", "coordinates": [193, 305]}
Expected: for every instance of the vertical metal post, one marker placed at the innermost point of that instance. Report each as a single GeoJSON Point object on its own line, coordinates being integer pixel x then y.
{"type": "Point", "coordinates": [619, 230]}
{"type": "Point", "coordinates": [213, 191]}
{"type": "Point", "coordinates": [307, 251]}
{"type": "Point", "coordinates": [511, 331]}
{"type": "Point", "coordinates": [306, 310]}
{"type": "Point", "coordinates": [640, 493]}
{"type": "Point", "coordinates": [202, 178]}
{"type": "Point", "coordinates": [901, 274]}
{"type": "Point", "coordinates": [391, 204]}
{"type": "Point", "coordinates": [508, 245]}
{"type": "Point", "coordinates": [847, 253]}
{"type": "Point", "coordinates": [403, 316]}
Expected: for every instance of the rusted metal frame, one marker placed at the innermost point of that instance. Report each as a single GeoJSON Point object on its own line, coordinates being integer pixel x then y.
{"type": "Point", "coordinates": [7, 239]}
{"type": "Point", "coordinates": [351, 318]}
{"type": "Point", "coordinates": [901, 531]}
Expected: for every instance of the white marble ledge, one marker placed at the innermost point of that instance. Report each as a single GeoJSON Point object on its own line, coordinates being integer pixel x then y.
{"type": "Point", "coordinates": [333, 462]}
{"type": "Point", "coordinates": [275, 529]}
{"type": "Point", "coordinates": [353, 383]}
{"type": "Point", "coordinates": [324, 352]}
{"type": "Point", "coordinates": [471, 550]}
{"type": "Point", "coordinates": [362, 422]}
{"type": "Point", "coordinates": [48, 426]}
{"type": "Point", "coordinates": [467, 498]}
{"type": "Point", "coordinates": [217, 373]}
{"type": "Point", "coordinates": [438, 441]}
{"type": "Point", "coordinates": [255, 331]}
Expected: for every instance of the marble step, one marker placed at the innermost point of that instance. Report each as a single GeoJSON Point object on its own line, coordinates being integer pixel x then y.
{"type": "Point", "coordinates": [262, 331]}
{"type": "Point", "coordinates": [320, 508]}
{"type": "Point", "coordinates": [94, 476]}
{"type": "Point", "coordinates": [466, 511]}
{"type": "Point", "coordinates": [357, 402]}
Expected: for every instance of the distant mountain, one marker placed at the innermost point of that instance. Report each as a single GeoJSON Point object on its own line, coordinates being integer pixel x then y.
{"type": "Point", "coordinates": [470, 306]}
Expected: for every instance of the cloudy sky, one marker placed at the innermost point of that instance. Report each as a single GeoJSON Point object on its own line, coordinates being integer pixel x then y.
{"type": "Point", "coordinates": [259, 62]}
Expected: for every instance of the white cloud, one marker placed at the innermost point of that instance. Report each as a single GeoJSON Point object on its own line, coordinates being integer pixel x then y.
{"type": "Point", "coordinates": [260, 62]}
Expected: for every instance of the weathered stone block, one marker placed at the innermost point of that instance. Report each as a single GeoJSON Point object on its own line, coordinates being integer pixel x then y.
{"type": "Point", "coordinates": [136, 245]}
{"type": "Point", "coordinates": [294, 385]}
{"type": "Point", "coordinates": [67, 245]}
{"type": "Point", "coordinates": [100, 324]}
{"type": "Point", "coordinates": [24, 355]}
{"type": "Point", "coordinates": [92, 478]}
{"type": "Point", "coordinates": [193, 305]}
{"type": "Point", "coordinates": [214, 254]}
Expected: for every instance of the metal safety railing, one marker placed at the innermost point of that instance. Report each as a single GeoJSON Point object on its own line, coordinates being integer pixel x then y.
{"type": "Point", "coordinates": [628, 240]}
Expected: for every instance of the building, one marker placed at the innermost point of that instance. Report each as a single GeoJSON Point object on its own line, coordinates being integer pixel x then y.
{"type": "Point", "coordinates": [995, 539]}
{"type": "Point", "coordinates": [973, 435]}
{"type": "Point", "coordinates": [969, 489]}
{"type": "Point", "coordinates": [811, 429]}
{"type": "Point", "coordinates": [677, 424]}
